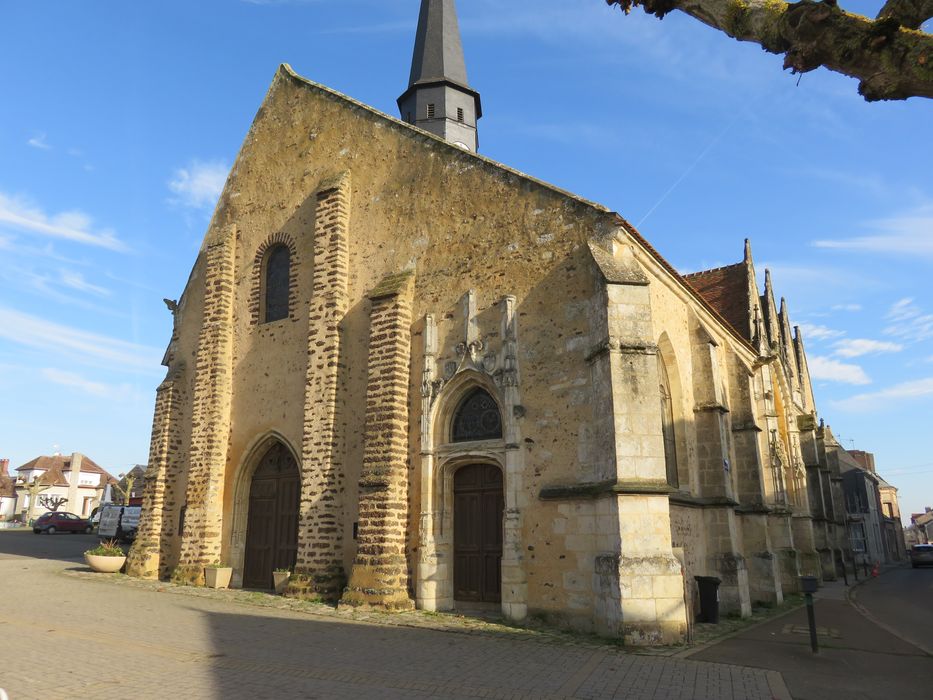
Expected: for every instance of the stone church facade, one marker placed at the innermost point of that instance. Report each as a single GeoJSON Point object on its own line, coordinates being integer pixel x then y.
{"type": "Point", "coordinates": [418, 378]}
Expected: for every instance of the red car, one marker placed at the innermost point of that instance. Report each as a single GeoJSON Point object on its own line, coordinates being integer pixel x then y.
{"type": "Point", "coordinates": [50, 523]}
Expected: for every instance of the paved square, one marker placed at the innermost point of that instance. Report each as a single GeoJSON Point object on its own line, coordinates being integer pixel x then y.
{"type": "Point", "coordinates": [63, 636]}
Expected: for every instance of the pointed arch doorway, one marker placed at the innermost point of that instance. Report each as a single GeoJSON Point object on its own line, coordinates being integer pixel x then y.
{"type": "Point", "coordinates": [272, 521]}
{"type": "Point", "coordinates": [478, 509]}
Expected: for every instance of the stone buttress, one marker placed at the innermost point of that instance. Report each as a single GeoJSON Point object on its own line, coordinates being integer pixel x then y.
{"type": "Point", "coordinates": [715, 463]}
{"type": "Point", "coordinates": [210, 425]}
{"type": "Point", "coordinates": [379, 577]}
{"type": "Point", "coordinates": [640, 584]}
{"type": "Point", "coordinates": [145, 557]}
{"type": "Point", "coordinates": [319, 567]}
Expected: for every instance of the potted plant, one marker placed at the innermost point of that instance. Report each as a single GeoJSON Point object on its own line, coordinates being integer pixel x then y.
{"type": "Point", "coordinates": [106, 558]}
{"type": "Point", "coordinates": [280, 580]}
{"type": "Point", "coordinates": [217, 575]}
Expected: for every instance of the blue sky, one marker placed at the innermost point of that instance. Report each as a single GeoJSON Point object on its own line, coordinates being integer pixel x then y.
{"type": "Point", "coordinates": [119, 121]}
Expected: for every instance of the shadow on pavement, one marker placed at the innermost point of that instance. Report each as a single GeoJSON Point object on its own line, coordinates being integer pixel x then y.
{"type": "Point", "coordinates": [65, 547]}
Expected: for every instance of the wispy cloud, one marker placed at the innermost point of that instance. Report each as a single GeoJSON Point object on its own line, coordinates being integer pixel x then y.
{"type": "Point", "coordinates": [75, 280]}
{"type": "Point", "coordinates": [875, 400]}
{"type": "Point", "coordinates": [198, 186]}
{"type": "Point", "coordinates": [38, 141]}
{"type": "Point", "coordinates": [909, 322]}
{"type": "Point", "coordinates": [23, 329]}
{"type": "Point", "coordinates": [21, 215]}
{"type": "Point", "coordinates": [856, 347]}
{"type": "Point", "coordinates": [827, 369]}
{"type": "Point", "coordinates": [847, 307]}
{"type": "Point", "coordinates": [905, 234]}
{"type": "Point", "coordinates": [98, 389]}
{"type": "Point", "coordinates": [814, 331]}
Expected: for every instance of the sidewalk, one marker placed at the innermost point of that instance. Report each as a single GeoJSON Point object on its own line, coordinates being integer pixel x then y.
{"type": "Point", "coordinates": [857, 659]}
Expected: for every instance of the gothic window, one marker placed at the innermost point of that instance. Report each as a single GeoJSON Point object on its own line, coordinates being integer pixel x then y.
{"type": "Point", "coordinates": [477, 418]}
{"type": "Point", "coordinates": [667, 426]}
{"type": "Point", "coordinates": [276, 273]}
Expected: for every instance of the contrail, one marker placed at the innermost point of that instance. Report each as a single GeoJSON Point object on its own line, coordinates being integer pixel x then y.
{"type": "Point", "coordinates": [686, 172]}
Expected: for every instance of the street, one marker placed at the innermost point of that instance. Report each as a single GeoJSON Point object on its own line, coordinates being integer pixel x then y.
{"type": "Point", "coordinates": [858, 659]}
{"type": "Point", "coordinates": [64, 636]}
{"type": "Point", "coordinates": [902, 600]}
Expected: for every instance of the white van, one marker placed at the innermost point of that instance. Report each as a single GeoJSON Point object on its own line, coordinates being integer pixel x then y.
{"type": "Point", "coordinates": [119, 522]}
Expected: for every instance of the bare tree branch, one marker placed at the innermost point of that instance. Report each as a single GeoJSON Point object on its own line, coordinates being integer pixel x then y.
{"type": "Point", "coordinates": [909, 13]}
{"type": "Point", "coordinates": [891, 60]}
{"type": "Point", "coordinates": [53, 503]}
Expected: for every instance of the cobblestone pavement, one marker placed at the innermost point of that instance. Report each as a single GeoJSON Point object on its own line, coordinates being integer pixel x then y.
{"type": "Point", "coordinates": [66, 634]}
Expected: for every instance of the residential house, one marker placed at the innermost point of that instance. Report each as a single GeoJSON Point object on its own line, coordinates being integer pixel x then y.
{"type": "Point", "coordinates": [73, 484]}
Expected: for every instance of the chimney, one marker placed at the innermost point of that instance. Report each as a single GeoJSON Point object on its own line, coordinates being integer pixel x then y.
{"type": "Point", "coordinates": [4, 467]}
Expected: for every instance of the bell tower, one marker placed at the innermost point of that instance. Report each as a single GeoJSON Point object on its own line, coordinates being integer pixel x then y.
{"type": "Point", "coordinates": [439, 98]}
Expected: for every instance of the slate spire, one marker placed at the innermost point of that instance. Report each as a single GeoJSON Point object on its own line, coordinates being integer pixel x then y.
{"type": "Point", "coordinates": [439, 98]}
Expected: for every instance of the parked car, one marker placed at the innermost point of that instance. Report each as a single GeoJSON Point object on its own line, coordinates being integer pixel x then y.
{"type": "Point", "coordinates": [50, 523]}
{"type": "Point", "coordinates": [921, 554]}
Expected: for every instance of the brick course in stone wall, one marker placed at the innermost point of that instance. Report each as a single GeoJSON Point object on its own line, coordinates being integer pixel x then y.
{"type": "Point", "coordinates": [210, 424]}
{"type": "Point", "coordinates": [319, 568]}
{"type": "Point", "coordinates": [144, 557]}
{"type": "Point", "coordinates": [380, 572]}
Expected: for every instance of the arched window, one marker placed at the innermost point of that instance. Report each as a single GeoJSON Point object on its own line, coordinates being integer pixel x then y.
{"type": "Point", "coordinates": [667, 426]}
{"type": "Point", "coordinates": [276, 271]}
{"type": "Point", "coordinates": [477, 418]}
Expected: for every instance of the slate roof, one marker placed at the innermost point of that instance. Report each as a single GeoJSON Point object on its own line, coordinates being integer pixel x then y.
{"type": "Point", "coordinates": [726, 290]}
{"type": "Point", "coordinates": [438, 54]}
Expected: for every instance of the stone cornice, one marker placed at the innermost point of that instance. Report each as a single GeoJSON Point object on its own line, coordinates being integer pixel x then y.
{"type": "Point", "coordinates": [685, 499]}
{"type": "Point", "coordinates": [622, 346]}
{"type": "Point", "coordinates": [601, 488]}
{"type": "Point", "coordinates": [711, 406]}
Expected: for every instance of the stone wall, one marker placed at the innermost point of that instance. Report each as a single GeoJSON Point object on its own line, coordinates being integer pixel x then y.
{"type": "Point", "coordinates": [494, 252]}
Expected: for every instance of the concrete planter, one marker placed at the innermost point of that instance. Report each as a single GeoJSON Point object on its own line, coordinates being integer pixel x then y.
{"type": "Point", "coordinates": [104, 565]}
{"type": "Point", "coordinates": [280, 581]}
{"type": "Point", "coordinates": [217, 576]}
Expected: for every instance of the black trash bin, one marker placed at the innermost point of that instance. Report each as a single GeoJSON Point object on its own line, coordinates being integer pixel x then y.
{"type": "Point", "coordinates": [709, 598]}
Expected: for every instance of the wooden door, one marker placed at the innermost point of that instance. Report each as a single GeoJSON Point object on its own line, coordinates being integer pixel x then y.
{"type": "Point", "coordinates": [272, 523]}
{"type": "Point", "coordinates": [478, 507]}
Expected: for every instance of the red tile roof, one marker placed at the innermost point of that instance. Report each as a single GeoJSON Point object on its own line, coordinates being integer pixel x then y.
{"type": "Point", "coordinates": [726, 290]}
{"type": "Point", "coordinates": [56, 466]}
{"type": "Point", "coordinates": [643, 242]}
